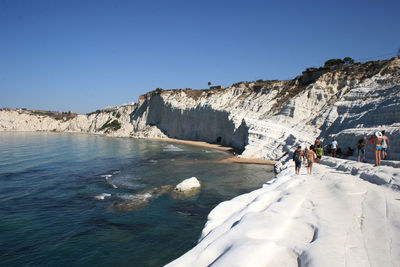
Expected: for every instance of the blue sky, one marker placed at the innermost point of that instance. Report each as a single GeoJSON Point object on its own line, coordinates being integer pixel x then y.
{"type": "Point", "coordinates": [84, 55]}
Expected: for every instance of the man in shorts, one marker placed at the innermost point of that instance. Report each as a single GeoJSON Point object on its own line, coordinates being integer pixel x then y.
{"type": "Point", "coordinates": [335, 146]}
{"type": "Point", "coordinates": [297, 158]}
{"type": "Point", "coordinates": [361, 148]}
{"type": "Point", "coordinates": [320, 152]}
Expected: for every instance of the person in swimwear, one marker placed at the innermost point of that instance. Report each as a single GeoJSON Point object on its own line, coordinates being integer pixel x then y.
{"type": "Point", "coordinates": [378, 147]}
{"type": "Point", "coordinates": [310, 159]}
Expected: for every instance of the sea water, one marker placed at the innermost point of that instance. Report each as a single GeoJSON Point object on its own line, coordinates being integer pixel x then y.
{"type": "Point", "coordinates": [61, 197]}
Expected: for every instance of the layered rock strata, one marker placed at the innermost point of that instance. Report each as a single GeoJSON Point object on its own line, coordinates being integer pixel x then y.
{"type": "Point", "coordinates": [262, 119]}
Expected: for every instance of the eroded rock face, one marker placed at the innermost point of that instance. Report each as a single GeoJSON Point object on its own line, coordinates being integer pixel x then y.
{"type": "Point", "coordinates": [264, 120]}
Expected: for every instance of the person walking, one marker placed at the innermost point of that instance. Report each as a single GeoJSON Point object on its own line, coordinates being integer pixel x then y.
{"type": "Point", "coordinates": [297, 158]}
{"type": "Point", "coordinates": [310, 159]}
{"type": "Point", "coordinates": [361, 144]}
{"type": "Point", "coordinates": [305, 153]}
{"type": "Point", "coordinates": [385, 145]}
{"type": "Point", "coordinates": [335, 146]}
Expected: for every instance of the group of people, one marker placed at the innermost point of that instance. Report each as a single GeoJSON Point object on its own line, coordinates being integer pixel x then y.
{"type": "Point", "coordinates": [316, 151]}
{"type": "Point", "coordinates": [381, 145]}
{"type": "Point", "coordinates": [309, 155]}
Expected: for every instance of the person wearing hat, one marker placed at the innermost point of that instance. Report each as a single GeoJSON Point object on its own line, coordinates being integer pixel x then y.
{"type": "Point", "coordinates": [378, 147]}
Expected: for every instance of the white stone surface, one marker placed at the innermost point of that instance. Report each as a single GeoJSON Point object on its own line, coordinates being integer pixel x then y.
{"type": "Point", "coordinates": [188, 184]}
{"type": "Point", "coordinates": [345, 214]}
{"type": "Point", "coordinates": [334, 217]}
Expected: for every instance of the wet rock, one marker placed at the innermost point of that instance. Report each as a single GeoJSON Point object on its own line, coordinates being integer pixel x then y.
{"type": "Point", "coordinates": [187, 188]}
{"type": "Point", "coordinates": [140, 200]}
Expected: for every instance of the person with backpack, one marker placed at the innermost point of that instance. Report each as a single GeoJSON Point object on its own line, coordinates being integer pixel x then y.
{"type": "Point", "coordinates": [297, 158]}
{"type": "Point", "coordinates": [361, 144]}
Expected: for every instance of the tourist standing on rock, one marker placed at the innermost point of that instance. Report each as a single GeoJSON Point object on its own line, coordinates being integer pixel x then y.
{"type": "Point", "coordinates": [297, 158]}
{"type": "Point", "coordinates": [385, 145]}
{"type": "Point", "coordinates": [378, 147]}
{"type": "Point", "coordinates": [305, 153]}
{"type": "Point", "coordinates": [361, 144]}
{"type": "Point", "coordinates": [320, 152]}
{"type": "Point", "coordinates": [335, 146]}
{"type": "Point", "coordinates": [317, 142]}
{"type": "Point", "coordinates": [310, 159]}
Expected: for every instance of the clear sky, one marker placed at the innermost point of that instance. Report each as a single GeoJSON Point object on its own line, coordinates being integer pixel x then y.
{"type": "Point", "coordinates": [83, 55]}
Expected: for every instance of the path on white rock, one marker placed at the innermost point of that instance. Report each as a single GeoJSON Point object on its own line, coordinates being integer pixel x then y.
{"type": "Point", "coordinates": [329, 218]}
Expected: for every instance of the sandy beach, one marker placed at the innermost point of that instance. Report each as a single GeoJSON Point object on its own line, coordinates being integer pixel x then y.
{"type": "Point", "coordinates": [232, 159]}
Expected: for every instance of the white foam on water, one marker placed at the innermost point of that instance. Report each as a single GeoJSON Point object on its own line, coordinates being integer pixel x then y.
{"type": "Point", "coordinates": [113, 185]}
{"type": "Point", "coordinates": [135, 196]}
{"type": "Point", "coordinates": [102, 196]}
{"type": "Point", "coordinates": [172, 148]}
{"type": "Point", "coordinates": [106, 176]}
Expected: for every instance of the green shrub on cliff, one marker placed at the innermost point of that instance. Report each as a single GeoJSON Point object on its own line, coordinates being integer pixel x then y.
{"type": "Point", "coordinates": [333, 62]}
{"type": "Point", "coordinates": [348, 60]}
{"type": "Point", "coordinates": [111, 125]}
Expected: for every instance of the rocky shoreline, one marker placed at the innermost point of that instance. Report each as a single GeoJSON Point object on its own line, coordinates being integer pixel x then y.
{"type": "Point", "coordinates": [262, 120]}
{"type": "Point", "coordinates": [330, 218]}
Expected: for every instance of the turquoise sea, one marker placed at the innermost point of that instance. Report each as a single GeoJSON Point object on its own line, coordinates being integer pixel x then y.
{"type": "Point", "coordinates": [66, 199]}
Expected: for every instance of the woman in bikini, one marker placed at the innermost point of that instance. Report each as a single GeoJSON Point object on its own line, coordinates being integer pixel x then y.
{"type": "Point", "coordinates": [378, 147]}
{"type": "Point", "coordinates": [310, 159]}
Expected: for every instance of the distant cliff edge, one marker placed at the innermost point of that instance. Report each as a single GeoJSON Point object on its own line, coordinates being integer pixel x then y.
{"type": "Point", "coordinates": [264, 119]}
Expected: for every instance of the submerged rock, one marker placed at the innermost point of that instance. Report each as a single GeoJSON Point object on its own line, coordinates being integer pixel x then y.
{"type": "Point", "coordinates": [187, 188]}
{"type": "Point", "coordinates": [140, 200]}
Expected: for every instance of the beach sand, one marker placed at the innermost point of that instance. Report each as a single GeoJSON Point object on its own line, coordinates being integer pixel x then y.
{"type": "Point", "coordinates": [232, 159]}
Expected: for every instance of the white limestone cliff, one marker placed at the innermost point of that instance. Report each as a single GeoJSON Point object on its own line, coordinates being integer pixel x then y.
{"type": "Point", "coordinates": [264, 120]}
{"type": "Point", "coordinates": [345, 214]}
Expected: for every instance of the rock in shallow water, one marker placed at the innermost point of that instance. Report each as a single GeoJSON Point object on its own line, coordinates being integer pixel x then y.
{"type": "Point", "coordinates": [187, 188]}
